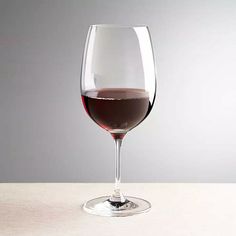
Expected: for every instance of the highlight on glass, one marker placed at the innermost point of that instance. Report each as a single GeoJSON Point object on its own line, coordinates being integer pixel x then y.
{"type": "Point", "coordinates": [118, 89]}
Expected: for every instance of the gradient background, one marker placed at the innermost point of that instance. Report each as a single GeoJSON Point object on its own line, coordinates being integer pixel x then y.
{"type": "Point", "coordinates": [45, 134]}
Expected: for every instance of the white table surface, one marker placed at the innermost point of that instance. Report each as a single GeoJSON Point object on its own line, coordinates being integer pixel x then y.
{"type": "Point", "coordinates": [177, 209]}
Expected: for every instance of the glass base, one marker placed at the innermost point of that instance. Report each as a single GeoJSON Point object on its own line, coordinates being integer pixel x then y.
{"type": "Point", "coordinates": [103, 206]}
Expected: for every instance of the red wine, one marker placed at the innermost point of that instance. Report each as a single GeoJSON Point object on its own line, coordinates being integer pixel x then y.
{"type": "Point", "coordinates": [117, 110]}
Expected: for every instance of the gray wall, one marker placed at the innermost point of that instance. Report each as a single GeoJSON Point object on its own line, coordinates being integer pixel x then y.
{"type": "Point", "coordinates": [45, 134]}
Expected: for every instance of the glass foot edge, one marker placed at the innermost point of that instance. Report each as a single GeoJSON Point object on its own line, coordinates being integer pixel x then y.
{"type": "Point", "coordinates": [102, 206]}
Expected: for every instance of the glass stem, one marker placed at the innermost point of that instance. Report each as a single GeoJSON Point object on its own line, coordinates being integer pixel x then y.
{"type": "Point", "coordinates": [117, 196]}
{"type": "Point", "coordinates": [117, 165]}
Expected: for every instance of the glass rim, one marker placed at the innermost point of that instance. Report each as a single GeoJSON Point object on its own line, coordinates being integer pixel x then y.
{"type": "Point", "coordinates": [120, 25]}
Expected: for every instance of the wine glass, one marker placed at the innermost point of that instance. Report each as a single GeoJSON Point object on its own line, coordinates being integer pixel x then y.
{"type": "Point", "coordinates": [118, 88]}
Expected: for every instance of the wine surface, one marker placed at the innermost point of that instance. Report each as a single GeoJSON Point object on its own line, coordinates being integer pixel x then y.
{"type": "Point", "coordinates": [117, 110]}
